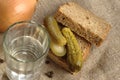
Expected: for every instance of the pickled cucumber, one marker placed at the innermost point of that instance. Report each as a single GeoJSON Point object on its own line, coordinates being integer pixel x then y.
{"type": "Point", "coordinates": [74, 55]}
{"type": "Point", "coordinates": [57, 49]}
{"type": "Point", "coordinates": [54, 31]}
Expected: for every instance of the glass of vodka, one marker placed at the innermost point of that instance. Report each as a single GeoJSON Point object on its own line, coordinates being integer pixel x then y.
{"type": "Point", "coordinates": [26, 45]}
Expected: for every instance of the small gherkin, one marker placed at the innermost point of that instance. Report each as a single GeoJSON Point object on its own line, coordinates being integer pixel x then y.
{"type": "Point", "coordinates": [74, 55]}
{"type": "Point", "coordinates": [54, 30]}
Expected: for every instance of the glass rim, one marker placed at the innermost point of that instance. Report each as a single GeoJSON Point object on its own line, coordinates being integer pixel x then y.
{"type": "Point", "coordinates": [20, 22]}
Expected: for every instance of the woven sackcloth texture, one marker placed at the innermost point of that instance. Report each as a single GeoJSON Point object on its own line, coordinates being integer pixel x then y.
{"type": "Point", "coordinates": [103, 63]}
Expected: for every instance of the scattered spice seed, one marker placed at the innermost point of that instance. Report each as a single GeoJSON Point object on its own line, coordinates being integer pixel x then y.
{"type": "Point", "coordinates": [1, 60]}
{"type": "Point", "coordinates": [49, 74]}
{"type": "Point", "coordinates": [47, 62]}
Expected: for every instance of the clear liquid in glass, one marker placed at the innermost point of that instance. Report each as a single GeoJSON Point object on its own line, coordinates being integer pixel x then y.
{"type": "Point", "coordinates": [25, 50]}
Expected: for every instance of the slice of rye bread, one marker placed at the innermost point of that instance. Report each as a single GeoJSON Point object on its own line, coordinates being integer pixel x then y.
{"type": "Point", "coordinates": [83, 22]}
{"type": "Point", "coordinates": [62, 62]}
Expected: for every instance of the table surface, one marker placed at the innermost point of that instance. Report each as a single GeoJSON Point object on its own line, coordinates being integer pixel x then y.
{"type": "Point", "coordinates": [103, 62]}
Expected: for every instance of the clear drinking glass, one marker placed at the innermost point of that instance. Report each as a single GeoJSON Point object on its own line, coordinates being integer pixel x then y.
{"type": "Point", "coordinates": [26, 45]}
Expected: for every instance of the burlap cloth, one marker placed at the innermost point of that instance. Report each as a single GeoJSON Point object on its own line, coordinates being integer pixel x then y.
{"type": "Point", "coordinates": [103, 63]}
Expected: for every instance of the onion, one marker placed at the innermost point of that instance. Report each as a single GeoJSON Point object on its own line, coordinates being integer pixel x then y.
{"type": "Point", "coordinates": [12, 11]}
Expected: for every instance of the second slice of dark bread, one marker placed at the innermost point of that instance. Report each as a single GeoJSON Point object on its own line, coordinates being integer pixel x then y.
{"type": "Point", "coordinates": [83, 22]}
